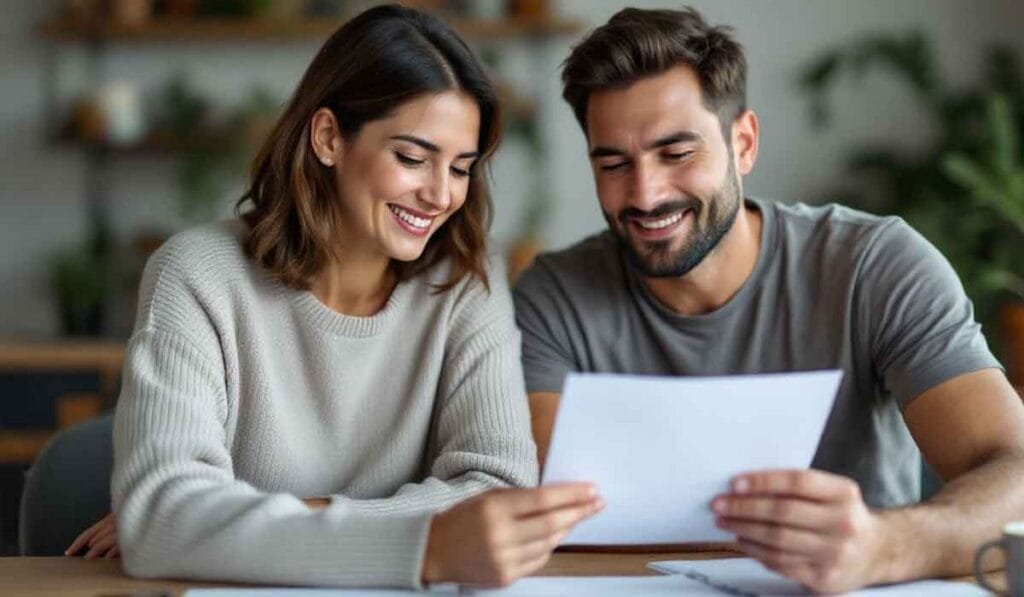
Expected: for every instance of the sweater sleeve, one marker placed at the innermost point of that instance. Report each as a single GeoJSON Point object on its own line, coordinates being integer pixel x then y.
{"type": "Point", "coordinates": [480, 435]}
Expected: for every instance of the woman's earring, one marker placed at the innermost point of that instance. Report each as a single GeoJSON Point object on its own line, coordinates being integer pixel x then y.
{"type": "Point", "coordinates": [327, 162]}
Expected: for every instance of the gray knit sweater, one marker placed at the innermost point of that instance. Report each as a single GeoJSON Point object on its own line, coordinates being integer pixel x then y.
{"type": "Point", "coordinates": [241, 396]}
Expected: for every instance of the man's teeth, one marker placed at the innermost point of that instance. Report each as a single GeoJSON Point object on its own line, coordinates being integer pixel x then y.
{"type": "Point", "coordinates": [658, 224]}
{"type": "Point", "coordinates": [409, 218]}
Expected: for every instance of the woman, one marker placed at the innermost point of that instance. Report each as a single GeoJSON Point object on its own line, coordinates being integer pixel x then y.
{"type": "Point", "coordinates": [343, 343]}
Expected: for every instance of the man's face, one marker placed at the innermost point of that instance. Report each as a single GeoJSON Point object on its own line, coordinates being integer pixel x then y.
{"type": "Point", "coordinates": [664, 172]}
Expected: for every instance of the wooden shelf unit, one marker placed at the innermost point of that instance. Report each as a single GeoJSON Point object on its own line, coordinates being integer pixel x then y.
{"type": "Point", "coordinates": [20, 446]}
{"type": "Point", "coordinates": [208, 29]}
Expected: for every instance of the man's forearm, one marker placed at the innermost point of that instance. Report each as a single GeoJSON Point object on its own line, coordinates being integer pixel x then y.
{"type": "Point", "coordinates": [939, 536]}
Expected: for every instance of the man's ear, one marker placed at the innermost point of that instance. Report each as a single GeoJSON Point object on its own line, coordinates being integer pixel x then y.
{"type": "Point", "coordinates": [325, 137]}
{"type": "Point", "coordinates": [745, 131]}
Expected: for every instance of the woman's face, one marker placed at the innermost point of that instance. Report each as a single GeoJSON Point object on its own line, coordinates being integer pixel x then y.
{"type": "Point", "coordinates": [401, 177]}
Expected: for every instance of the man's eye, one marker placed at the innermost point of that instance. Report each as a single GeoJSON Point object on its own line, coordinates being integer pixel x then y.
{"type": "Point", "coordinates": [613, 167]}
{"type": "Point", "coordinates": [678, 155]}
{"type": "Point", "coordinates": [407, 160]}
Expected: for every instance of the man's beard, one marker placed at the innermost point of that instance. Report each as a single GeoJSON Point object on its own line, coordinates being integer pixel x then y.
{"type": "Point", "coordinates": [657, 259]}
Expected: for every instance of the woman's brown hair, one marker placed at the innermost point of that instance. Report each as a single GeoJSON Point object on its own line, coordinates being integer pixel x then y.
{"type": "Point", "coordinates": [375, 62]}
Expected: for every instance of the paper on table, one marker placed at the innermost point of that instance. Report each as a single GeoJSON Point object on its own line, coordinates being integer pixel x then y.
{"type": "Point", "coordinates": [445, 589]}
{"type": "Point", "coordinates": [570, 586]}
{"type": "Point", "coordinates": [745, 576]}
{"type": "Point", "coordinates": [659, 448]}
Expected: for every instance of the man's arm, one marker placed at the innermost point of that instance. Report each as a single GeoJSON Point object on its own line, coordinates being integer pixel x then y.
{"type": "Point", "coordinates": [971, 430]}
{"type": "Point", "coordinates": [543, 408]}
{"type": "Point", "coordinates": [814, 526]}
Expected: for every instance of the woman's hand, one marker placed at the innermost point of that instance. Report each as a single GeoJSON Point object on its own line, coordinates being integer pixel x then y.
{"type": "Point", "coordinates": [504, 534]}
{"type": "Point", "coordinates": [100, 538]}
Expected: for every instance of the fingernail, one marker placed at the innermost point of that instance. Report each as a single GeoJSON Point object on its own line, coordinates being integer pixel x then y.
{"type": "Point", "coordinates": [741, 485]}
{"type": "Point", "coordinates": [718, 505]}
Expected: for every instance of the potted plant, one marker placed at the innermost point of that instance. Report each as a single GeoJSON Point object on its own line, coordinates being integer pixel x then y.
{"type": "Point", "coordinates": [78, 278]}
{"type": "Point", "coordinates": [965, 192]}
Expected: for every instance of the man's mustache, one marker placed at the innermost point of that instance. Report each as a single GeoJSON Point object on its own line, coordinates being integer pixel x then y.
{"type": "Point", "coordinates": [664, 209]}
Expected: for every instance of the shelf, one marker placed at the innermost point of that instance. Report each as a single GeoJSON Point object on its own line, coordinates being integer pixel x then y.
{"type": "Point", "coordinates": [226, 30]}
{"type": "Point", "coordinates": [61, 355]}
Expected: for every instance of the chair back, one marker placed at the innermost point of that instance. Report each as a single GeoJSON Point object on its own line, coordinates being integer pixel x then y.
{"type": "Point", "coordinates": [67, 488]}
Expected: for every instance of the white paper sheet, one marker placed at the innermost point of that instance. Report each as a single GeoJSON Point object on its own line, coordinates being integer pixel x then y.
{"type": "Point", "coordinates": [745, 576]}
{"type": "Point", "coordinates": [445, 589]}
{"type": "Point", "coordinates": [660, 448]}
{"type": "Point", "coordinates": [591, 586]}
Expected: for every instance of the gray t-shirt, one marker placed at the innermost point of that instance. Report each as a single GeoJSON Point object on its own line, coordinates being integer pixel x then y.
{"type": "Point", "coordinates": [832, 288]}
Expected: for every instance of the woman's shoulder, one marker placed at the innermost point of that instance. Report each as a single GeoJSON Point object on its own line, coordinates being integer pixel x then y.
{"type": "Point", "coordinates": [201, 264]}
{"type": "Point", "coordinates": [211, 251]}
{"type": "Point", "coordinates": [472, 301]}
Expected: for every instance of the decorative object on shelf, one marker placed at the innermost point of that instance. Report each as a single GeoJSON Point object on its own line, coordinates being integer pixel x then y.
{"type": "Point", "coordinates": [965, 192]}
{"type": "Point", "coordinates": [531, 9]}
{"type": "Point", "coordinates": [122, 12]}
{"type": "Point", "coordinates": [130, 12]}
{"type": "Point", "coordinates": [176, 8]}
{"type": "Point", "coordinates": [121, 112]}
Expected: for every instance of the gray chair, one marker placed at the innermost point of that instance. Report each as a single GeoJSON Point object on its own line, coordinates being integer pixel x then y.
{"type": "Point", "coordinates": [67, 489]}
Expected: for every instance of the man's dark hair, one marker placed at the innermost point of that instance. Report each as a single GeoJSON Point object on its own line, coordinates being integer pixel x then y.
{"type": "Point", "coordinates": [637, 43]}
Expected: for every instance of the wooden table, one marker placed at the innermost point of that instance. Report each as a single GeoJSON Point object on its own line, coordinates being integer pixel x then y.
{"type": "Point", "coordinates": [77, 577]}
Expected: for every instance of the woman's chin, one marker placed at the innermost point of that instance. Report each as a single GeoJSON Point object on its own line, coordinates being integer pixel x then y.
{"type": "Point", "coordinates": [407, 253]}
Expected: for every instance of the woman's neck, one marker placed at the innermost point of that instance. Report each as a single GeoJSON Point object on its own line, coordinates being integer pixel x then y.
{"type": "Point", "coordinates": [355, 287]}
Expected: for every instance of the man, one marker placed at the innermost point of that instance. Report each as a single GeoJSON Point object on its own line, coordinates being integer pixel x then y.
{"type": "Point", "coordinates": [692, 278]}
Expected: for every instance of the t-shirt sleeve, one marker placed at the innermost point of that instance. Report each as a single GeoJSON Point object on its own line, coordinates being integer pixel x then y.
{"type": "Point", "coordinates": [541, 316]}
{"type": "Point", "coordinates": [919, 320]}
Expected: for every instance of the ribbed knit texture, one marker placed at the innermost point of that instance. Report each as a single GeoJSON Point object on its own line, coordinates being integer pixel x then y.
{"type": "Point", "coordinates": [241, 396]}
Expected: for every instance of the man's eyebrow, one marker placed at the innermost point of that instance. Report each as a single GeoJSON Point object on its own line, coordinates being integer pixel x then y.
{"type": "Point", "coordinates": [431, 147]}
{"type": "Point", "coordinates": [677, 137]}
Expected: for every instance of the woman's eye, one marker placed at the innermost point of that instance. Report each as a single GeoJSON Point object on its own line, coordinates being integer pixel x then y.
{"type": "Point", "coordinates": [460, 172]}
{"type": "Point", "coordinates": [408, 160]}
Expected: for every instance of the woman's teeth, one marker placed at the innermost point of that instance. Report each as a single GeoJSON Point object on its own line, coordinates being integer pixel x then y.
{"type": "Point", "coordinates": [410, 219]}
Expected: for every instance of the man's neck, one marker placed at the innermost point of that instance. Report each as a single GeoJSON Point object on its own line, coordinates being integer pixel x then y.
{"type": "Point", "coordinates": [720, 275]}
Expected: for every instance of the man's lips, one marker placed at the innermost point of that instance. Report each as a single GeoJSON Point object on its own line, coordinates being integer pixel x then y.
{"type": "Point", "coordinates": [660, 226]}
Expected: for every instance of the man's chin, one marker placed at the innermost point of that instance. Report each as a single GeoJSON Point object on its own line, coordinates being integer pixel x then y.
{"type": "Point", "coordinates": [654, 259]}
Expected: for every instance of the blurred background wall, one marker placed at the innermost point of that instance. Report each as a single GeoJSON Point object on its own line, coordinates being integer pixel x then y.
{"type": "Point", "coordinates": [43, 182]}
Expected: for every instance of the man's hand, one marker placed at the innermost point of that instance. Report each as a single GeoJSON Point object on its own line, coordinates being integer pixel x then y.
{"type": "Point", "coordinates": [811, 526]}
{"type": "Point", "coordinates": [504, 534]}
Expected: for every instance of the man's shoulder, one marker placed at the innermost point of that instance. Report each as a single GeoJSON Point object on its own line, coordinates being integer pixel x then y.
{"type": "Point", "coordinates": [836, 228]}
{"type": "Point", "coordinates": [585, 266]}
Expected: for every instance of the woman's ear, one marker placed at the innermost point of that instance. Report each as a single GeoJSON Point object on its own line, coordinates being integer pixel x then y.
{"type": "Point", "coordinates": [325, 137]}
